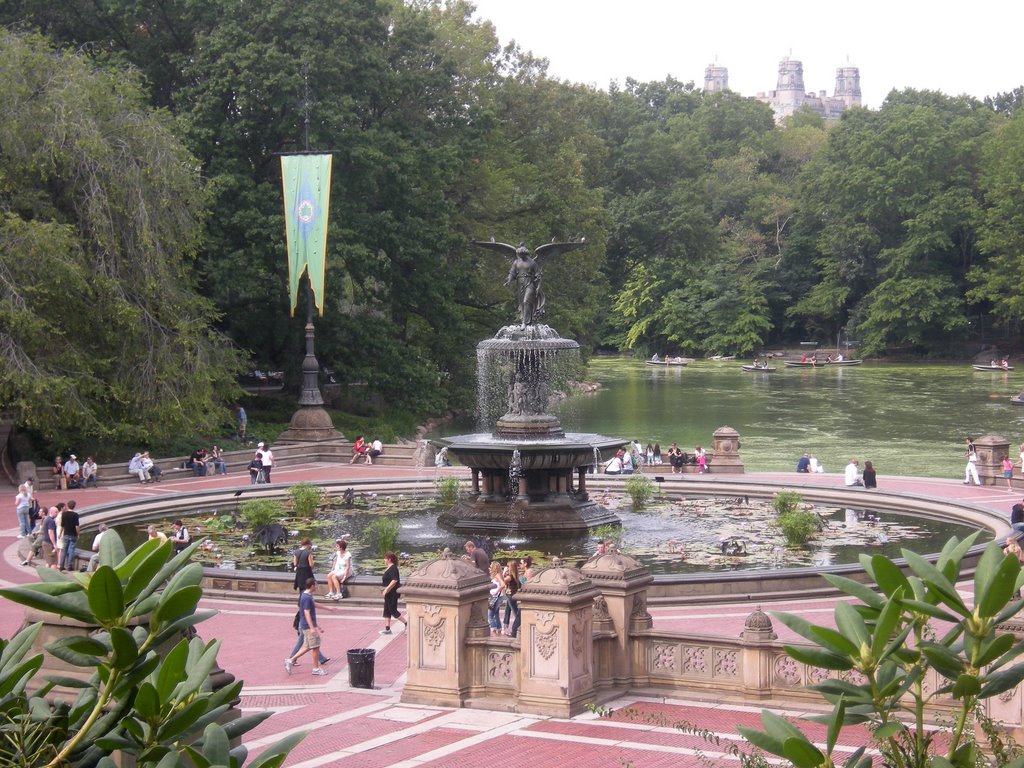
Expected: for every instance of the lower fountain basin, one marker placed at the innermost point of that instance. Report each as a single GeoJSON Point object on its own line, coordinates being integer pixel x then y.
{"type": "Point", "coordinates": [548, 494]}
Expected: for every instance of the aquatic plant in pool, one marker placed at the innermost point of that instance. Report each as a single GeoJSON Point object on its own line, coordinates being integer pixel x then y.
{"type": "Point", "coordinates": [668, 536]}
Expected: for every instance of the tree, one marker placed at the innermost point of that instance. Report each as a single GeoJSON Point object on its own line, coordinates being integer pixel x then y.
{"type": "Point", "coordinates": [102, 332]}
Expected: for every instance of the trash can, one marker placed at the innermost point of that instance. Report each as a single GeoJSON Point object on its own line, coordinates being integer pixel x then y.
{"type": "Point", "coordinates": [360, 667]}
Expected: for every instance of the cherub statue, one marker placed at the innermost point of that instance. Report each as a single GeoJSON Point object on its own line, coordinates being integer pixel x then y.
{"type": "Point", "coordinates": [526, 270]}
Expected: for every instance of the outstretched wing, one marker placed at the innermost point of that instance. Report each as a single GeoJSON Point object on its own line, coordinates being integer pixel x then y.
{"type": "Point", "coordinates": [554, 249]}
{"type": "Point", "coordinates": [506, 250]}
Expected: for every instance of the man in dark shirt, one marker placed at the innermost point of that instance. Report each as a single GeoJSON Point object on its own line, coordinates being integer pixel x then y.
{"type": "Point", "coordinates": [477, 556]}
{"type": "Point", "coordinates": [804, 464]}
{"type": "Point", "coordinates": [1017, 517]}
{"type": "Point", "coordinates": [50, 538]}
{"type": "Point", "coordinates": [69, 523]}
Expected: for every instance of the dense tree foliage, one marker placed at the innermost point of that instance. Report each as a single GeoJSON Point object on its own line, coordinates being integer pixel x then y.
{"type": "Point", "coordinates": [711, 228]}
{"type": "Point", "coordinates": [101, 330]}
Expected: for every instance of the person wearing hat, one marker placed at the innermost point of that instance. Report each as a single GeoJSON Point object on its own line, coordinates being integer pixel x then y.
{"type": "Point", "coordinates": [72, 472]}
{"type": "Point", "coordinates": [853, 474]}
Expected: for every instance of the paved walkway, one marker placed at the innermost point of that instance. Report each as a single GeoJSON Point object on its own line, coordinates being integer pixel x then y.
{"type": "Point", "coordinates": [357, 727]}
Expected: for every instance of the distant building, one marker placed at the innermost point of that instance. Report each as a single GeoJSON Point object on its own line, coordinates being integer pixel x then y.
{"type": "Point", "coordinates": [789, 94]}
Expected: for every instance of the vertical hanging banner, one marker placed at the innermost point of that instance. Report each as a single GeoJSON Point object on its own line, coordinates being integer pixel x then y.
{"type": "Point", "coordinates": [307, 195]}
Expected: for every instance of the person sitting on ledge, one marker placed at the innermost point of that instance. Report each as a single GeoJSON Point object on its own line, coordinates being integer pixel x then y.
{"type": "Point", "coordinates": [376, 449]}
{"type": "Point", "coordinates": [804, 463]}
{"type": "Point", "coordinates": [358, 450]}
{"type": "Point", "coordinates": [853, 474]}
{"type": "Point", "coordinates": [613, 466]}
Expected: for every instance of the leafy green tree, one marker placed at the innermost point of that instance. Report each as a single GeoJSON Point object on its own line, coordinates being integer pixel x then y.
{"type": "Point", "coordinates": [102, 332]}
{"type": "Point", "coordinates": [893, 199]}
{"type": "Point", "coordinates": [997, 279]}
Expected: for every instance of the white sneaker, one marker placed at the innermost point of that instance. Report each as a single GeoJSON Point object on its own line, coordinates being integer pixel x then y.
{"type": "Point", "coordinates": [288, 666]}
{"type": "Point", "coordinates": [319, 672]}
{"type": "Point", "coordinates": [329, 596]}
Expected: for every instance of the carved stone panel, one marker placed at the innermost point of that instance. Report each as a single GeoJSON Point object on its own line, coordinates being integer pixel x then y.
{"type": "Point", "coordinates": [727, 662]}
{"type": "Point", "coordinates": [546, 656]}
{"type": "Point", "coordinates": [433, 643]}
{"type": "Point", "coordinates": [664, 659]}
{"type": "Point", "coordinates": [695, 660]}
{"type": "Point", "coordinates": [501, 668]}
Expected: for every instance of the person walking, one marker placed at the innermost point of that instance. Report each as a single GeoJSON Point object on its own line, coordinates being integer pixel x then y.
{"type": "Point", "coordinates": [302, 563]}
{"type": "Point", "coordinates": [391, 581]}
{"type": "Point", "coordinates": [311, 631]}
{"type": "Point", "coordinates": [1008, 472]}
{"type": "Point", "coordinates": [267, 457]}
{"type": "Point", "coordinates": [971, 470]}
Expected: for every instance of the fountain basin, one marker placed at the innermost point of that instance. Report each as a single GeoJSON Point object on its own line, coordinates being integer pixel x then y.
{"type": "Point", "coordinates": [545, 495]}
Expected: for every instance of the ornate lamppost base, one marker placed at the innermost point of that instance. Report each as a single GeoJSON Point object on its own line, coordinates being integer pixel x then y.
{"type": "Point", "coordinates": [310, 424]}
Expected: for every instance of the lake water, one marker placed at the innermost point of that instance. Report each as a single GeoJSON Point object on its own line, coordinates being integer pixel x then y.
{"type": "Point", "coordinates": [906, 419]}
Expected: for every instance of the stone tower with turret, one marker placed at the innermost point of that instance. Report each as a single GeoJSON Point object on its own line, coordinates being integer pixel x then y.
{"type": "Point", "coordinates": [848, 86]}
{"type": "Point", "coordinates": [716, 79]}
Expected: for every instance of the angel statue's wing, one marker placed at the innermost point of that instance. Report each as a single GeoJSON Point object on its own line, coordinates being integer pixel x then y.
{"type": "Point", "coordinates": [553, 248]}
{"type": "Point", "coordinates": [506, 250]}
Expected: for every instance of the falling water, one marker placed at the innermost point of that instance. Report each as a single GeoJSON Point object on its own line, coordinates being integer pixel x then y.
{"type": "Point", "coordinates": [515, 471]}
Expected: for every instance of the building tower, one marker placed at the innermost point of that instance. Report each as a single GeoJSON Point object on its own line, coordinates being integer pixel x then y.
{"type": "Point", "coordinates": [789, 92]}
{"type": "Point", "coordinates": [716, 79]}
{"type": "Point", "coordinates": [848, 86]}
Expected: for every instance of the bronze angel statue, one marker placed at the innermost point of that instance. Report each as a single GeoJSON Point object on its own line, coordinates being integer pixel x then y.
{"type": "Point", "coordinates": [526, 271]}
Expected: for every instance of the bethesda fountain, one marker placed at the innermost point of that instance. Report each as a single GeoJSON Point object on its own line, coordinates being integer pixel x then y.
{"type": "Point", "coordinates": [528, 474]}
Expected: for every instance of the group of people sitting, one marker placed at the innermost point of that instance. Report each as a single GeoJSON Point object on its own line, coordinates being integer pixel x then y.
{"type": "Point", "coordinates": [144, 468]}
{"type": "Point", "coordinates": [71, 474]}
{"type": "Point", "coordinates": [627, 460]}
{"type": "Point", "coordinates": [809, 463]}
{"type": "Point", "coordinates": [204, 462]}
{"type": "Point", "coordinates": [367, 452]}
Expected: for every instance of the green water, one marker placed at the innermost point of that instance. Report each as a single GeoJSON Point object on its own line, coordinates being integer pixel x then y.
{"type": "Point", "coordinates": [906, 419]}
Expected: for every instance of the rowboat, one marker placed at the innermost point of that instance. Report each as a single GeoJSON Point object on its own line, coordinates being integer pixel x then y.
{"type": "Point", "coordinates": [1016, 400]}
{"type": "Point", "coordinates": [820, 363]}
{"type": "Point", "coordinates": [670, 362]}
{"type": "Point", "coordinates": [992, 367]}
{"type": "Point", "coordinates": [758, 368]}
{"type": "Point", "coordinates": [720, 358]}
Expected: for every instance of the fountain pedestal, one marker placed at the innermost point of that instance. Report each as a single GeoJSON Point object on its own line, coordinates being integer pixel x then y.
{"type": "Point", "coordinates": [528, 475]}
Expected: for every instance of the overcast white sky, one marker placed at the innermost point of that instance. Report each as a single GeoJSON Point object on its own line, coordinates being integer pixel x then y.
{"type": "Point", "coordinates": [967, 47]}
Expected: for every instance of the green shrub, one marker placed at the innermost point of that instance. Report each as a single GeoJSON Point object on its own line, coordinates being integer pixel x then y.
{"type": "Point", "coordinates": [141, 691]}
{"type": "Point", "coordinates": [447, 490]}
{"type": "Point", "coordinates": [259, 512]}
{"type": "Point", "coordinates": [640, 489]}
{"type": "Point", "coordinates": [798, 526]}
{"type": "Point", "coordinates": [786, 501]}
{"type": "Point", "coordinates": [382, 535]}
{"type": "Point", "coordinates": [916, 638]}
{"type": "Point", "coordinates": [306, 498]}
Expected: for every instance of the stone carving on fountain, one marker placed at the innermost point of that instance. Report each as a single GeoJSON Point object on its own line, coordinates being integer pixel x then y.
{"type": "Point", "coordinates": [528, 474]}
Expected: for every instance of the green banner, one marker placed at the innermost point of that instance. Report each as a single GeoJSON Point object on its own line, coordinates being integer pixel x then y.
{"type": "Point", "coordinates": [307, 195]}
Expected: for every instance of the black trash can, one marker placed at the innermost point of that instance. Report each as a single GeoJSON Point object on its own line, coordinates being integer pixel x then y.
{"type": "Point", "coordinates": [360, 667]}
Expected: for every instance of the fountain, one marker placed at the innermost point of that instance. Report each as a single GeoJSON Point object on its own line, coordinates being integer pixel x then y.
{"type": "Point", "coordinates": [529, 475]}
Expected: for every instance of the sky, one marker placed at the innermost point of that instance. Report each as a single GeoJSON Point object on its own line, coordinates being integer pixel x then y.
{"type": "Point", "coordinates": [971, 48]}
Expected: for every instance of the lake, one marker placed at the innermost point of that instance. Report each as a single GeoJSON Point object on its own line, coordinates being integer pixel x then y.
{"type": "Point", "coordinates": [908, 419]}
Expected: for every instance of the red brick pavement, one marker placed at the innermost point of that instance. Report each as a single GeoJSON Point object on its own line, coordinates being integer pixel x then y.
{"type": "Point", "coordinates": [356, 727]}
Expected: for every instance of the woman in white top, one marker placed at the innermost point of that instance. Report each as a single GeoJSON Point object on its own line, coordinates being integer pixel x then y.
{"type": "Point", "coordinates": [340, 571]}
{"type": "Point", "coordinates": [22, 507]}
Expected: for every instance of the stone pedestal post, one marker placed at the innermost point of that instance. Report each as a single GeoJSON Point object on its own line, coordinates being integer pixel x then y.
{"type": "Point", "coordinates": [443, 599]}
{"type": "Point", "coordinates": [556, 675]}
{"type": "Point", "coordinates": [992, 449]}
{"type": "Point", "coordinates": [725, 444]}
{"type": "Point", "coordinates": [623, 584]}
{"type": "Point", "coordinates": [757, 637]}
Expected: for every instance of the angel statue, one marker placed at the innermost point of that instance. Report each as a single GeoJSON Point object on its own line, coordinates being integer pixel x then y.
{"type": "Point", "coordinates": [526, 270]}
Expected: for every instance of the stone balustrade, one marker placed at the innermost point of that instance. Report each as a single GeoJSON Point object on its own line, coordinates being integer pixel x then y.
{"type": "Point", "coordinates": [586, 637]}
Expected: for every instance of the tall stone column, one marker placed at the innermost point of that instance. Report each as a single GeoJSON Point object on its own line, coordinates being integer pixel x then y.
{"type": "Point", "coordinates": [757, 636]}
{"type": "Point", "coordinates": [556, 673]}
{"type": "Point", "coordinates": [443, 599]}
{"type": "Point", "coordinates": [623, 584]}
